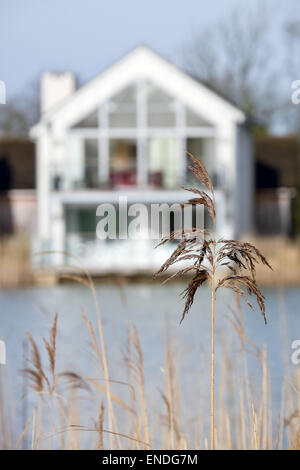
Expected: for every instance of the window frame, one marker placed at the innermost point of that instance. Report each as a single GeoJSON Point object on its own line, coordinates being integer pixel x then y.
{"type": "Point", "coordinates": [142, 133]}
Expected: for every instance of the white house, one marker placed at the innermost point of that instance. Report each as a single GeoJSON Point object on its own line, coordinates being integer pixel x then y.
{"type": "Point", "coordinates": [125, 133]}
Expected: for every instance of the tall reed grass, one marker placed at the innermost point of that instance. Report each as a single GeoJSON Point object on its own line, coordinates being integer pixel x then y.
{"type": "Point", "coordinates": [123, 415]}
{"type": "Point", "coordinates": [15, 265]}
{"type": "Point", "coordinates": [241, 414]}
{"type": "Point", "coordinates": [207, 255]}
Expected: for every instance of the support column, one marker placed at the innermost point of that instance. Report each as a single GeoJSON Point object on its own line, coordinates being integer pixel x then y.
{"type": "Point", "coordinates": [43, 188]}
{"type": "Point", "coordinates": [142, 154]}
{"type": "Point", "coordinates": [103, 145]}
{"type": "Point", "coordinates": [181, 136]}
{"type": "Point", "coordinates": [58, 232]}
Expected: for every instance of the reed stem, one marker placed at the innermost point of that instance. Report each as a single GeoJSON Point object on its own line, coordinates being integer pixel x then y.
{"type": "Point", "coordinates": [212, 365]}
{"type": "Point", "coordinates": [212, 369]}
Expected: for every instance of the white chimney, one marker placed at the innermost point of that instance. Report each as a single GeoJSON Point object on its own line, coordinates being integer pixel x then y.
{"type": "Point", "coordinates": [55, 88]}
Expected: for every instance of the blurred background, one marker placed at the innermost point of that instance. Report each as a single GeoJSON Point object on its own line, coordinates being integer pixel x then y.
{"type": "Point", "coordinates": [63, 152]}
{"type": "Point", "coordinates": [103, 100]}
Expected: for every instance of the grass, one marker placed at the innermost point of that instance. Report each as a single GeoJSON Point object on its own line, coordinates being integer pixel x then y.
{"type": "Point", "coordinates": [244, 418]}
{"type": "Point", "coordinates": [240, 414]}
{"type": "Point", "coordinates": [207, 257]}
{"type": "Point", "coordinates": [124, 416]}
{"type": "Point", "coordinates": [15, 266]}
{"type": "Point", "coordinates": [283, 254]}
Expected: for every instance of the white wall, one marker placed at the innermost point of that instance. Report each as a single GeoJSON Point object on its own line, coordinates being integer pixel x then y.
{"type": "Point", "coordinates": [233, 151]}
{"type": "Point", "coordinates": [55, 88]}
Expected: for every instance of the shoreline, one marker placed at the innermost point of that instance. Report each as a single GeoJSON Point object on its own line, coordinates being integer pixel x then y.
{"type": "Point", "coordinates": [16, 269]}
{"type": "Point", "coordinates": [53, 278]}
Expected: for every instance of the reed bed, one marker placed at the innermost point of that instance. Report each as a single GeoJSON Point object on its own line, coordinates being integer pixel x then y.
{"type": "Point", "coordinates": [284, 256]}
{"type": "Point", "coordinates": [15, 265]}
{"type": "Point", "coordinates": [123, 415]}
{"type": "Point", "coordinates": [70, 410]}
{"type": "Point", "coordinates": [229, 264]}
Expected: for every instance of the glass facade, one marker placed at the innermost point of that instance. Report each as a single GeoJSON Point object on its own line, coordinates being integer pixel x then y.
{"type": "Point", "coordinates": [204, 150]}
{"type": "Point", "coordinates": [90, 121]}
{"type": "Point", "coordinates": [161, 108]}
{"type": "Point", "coordinates": [136, 138]}
{"type": "Point", "coordinates": [163, 154]}
{"type": "Point", "coordinates": [122, 109]}
{"type": "Point", "coordinates": [123, 162]}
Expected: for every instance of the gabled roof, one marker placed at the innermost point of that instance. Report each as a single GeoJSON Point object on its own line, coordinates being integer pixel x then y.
{"type": "Point", "coordinates": [142, 62]}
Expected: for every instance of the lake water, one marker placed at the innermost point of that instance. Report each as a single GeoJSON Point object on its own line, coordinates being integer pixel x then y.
{"type": "Point", "coordinates": [155, 310]}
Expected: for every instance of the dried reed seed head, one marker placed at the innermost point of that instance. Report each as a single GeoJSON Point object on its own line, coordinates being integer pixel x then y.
{"type": "Point", "coordinates": [233, 282]}
{"type": "Point", "coordinates": [35, 379]}
{"type": "Point", "coordinates": [189, 293]}
{"type": "Point", "coordinates": [75, 381]}
{"type": "Point", "coordinates": [200, 172]}
{"type": "Point", "coordinates": [51, 347]}
{"type": "Point", "coordinates": [188, 249]}
{"type": "Point", "coordinates": [233, 254]}
{"type": "Point", "coordinates": [35, 374]}
{"type": "Point", "coordinates": [100, 445]}
{"type": "Point", "coordinates": [237, 250]}
{"type": "Point", "coordinates": [191, 234]}
{"type": "Point", "coordinates": [203, 199]}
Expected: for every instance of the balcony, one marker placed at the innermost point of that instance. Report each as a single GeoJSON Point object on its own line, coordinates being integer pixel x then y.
{"type": "Point", "coordinates": [137, 139]}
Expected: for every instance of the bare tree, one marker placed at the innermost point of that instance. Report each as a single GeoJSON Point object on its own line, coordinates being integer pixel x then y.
{"type": "Point", "coordinates": [291, 112]}
{"type": "Point", "coordinates": [20, 112]}
{"type": "Point", "coordinates": [292, 30]}
{"type": "Point", "coordinates": [13, 121]}
{"type": "Point", "coordinates": [235, 57]}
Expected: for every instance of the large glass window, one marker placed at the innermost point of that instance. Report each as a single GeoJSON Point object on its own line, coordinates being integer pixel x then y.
{"type": "Point", "coordinates": [81, 169]}
{"type": "Point", "coordinates": [122, 109]}
{"type": "Point", "coordinates": [161, 108]}
{"type": "Point", "coordinates": [81, 220]}
{"type": "Point", "coordinates": [91, 163]}
{"type": "Point", "coordinates": [163, 158]}
{"type": "Point", "coordinates": [194, 120]}
{"type": "Point", "coordinates": [123, 162]}
{"type": "Point", "coordinates": [140, 118]}
{"type": "Point", "coordinates": [80, 228]}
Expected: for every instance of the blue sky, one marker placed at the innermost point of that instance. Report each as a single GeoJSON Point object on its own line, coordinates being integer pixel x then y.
{"type": "Point", "coordinates": [85, 36]}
